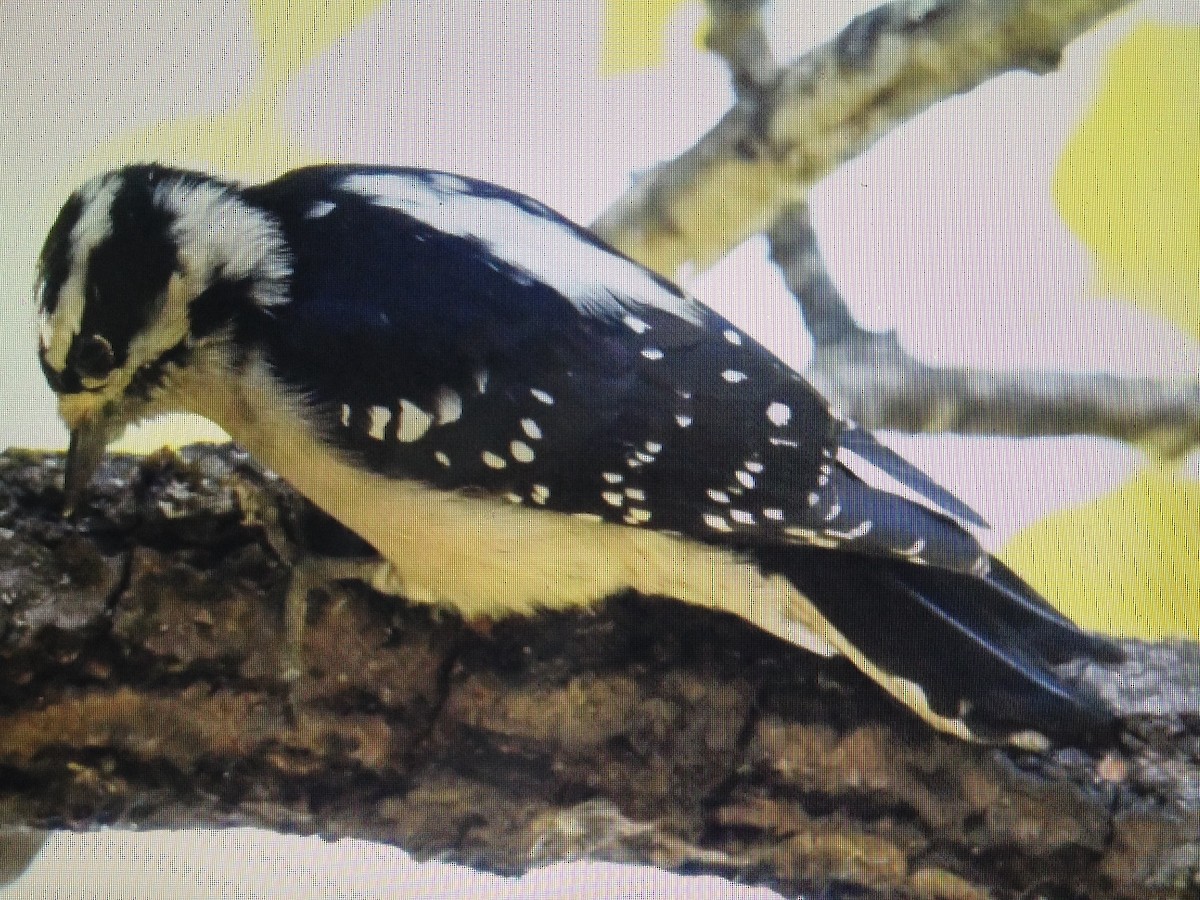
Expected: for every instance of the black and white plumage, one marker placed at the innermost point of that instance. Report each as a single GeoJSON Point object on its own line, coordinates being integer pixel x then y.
{"type": "Point", "coordinates": [516, 416]}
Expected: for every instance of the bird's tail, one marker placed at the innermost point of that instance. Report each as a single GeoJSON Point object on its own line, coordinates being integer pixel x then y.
{"type": "Point", "coordinates": [972, 655]}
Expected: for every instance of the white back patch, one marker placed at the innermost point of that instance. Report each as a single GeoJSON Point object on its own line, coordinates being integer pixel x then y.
{"type": "Point", "coordinates": [595, 281]}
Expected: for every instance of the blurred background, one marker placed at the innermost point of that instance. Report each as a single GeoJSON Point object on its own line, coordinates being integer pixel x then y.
{"type": "Point", "coordinates": [1042, 222]}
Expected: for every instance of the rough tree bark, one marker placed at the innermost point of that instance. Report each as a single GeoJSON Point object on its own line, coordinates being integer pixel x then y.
{"type": "Point", "coordinates": [139, 687]}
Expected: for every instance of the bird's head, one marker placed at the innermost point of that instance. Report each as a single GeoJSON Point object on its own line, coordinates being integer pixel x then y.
{"type": "Point", "coordinates": [142, 273]}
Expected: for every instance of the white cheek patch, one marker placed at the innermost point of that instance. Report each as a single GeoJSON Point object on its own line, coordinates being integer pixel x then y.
{"type": "Point", "coordinates": [595, 281]}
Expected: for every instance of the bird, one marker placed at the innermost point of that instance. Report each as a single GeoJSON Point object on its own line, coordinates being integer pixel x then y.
{"type": "Point", "coordinates": [515, 417]}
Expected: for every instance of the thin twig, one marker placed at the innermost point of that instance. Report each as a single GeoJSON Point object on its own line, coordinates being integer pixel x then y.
{"type": "Point", "coordinates": [875, 380]}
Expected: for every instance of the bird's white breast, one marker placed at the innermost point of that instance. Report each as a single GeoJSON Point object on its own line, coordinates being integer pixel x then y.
{"type": "Point", "coordinates": [487, 557]}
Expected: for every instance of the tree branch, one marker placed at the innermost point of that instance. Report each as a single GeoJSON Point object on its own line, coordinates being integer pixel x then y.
{"type": "Point", "coordinates": [876, 381]}
{"type": "Point", "coordinates": [139, 659]}
{"type": "Point", "coordinates": [826, 107]}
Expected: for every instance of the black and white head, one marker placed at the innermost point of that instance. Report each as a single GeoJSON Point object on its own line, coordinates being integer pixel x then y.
{"type": "Point", "coordinates": [141, 273]}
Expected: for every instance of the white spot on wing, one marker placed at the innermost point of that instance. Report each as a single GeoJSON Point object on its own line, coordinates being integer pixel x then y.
{"type": "Point", "coordinates": [733, 337]}
{"type": "Point", "coordinates": [635, 494]}
{"type": "Point", "coordinates": [541, 396]}
{"type": "Point", "coordinates": [442, 459]}
{"type": "Point", "coordinates": [718, 496]}
{"type": "Point", "coordinates": [810, 536]}
{"type": "Point", "coordinates": [540, 493]}
{"type": "Point", "coordinates": [481, 380]}
{"type": "Point", "coordinates": [612, 498]}
{"type": "Point", "coordinates": [636, 325]}
{"type": "Point", "coordinates": [491, 460]}
{"type": "Point", "coordinates": [414, 422]}
{"type": "Point", "coordinates": [779, 414]}
{"type": "Point", "coordinates": [447, 406]}
{"type": "Point", "coordinates": [741, 517]}
{"type": "Point", "coordinates": [772, 512]}
{"type": "Point", "coordinates": [345, 416]}
{"type": "Point", "coordinates": [319, 209]}
{"type": "Point", "coordinates": [531, 429]}
{"type": "Point", "coordinates": [745, 479]}
{"type": "Point", "coordinates": [593, 279]}
{"type": "Point", "coordinates": [683, 421]}
{"type": "Point", "coordinates": [752, 466]}
{"type": "Point", "coordinates": [637, 516]}
{"type": "Point", "coordinates": [653, 447]}
{"type": "Point", "coordinates": [652, 353]}
{"type": "Point", "coordinates": [613, 477]}
{"type": "Point", "coordinates": [380, 416]}
{"type": "Point", "coordinates": [733, 376]}
{"type": "Point", "coordinates": [850, 534]}
{"type": "Point", "coordinates": [716, 523]}
{"type": "Point", "coordinates": [521, 451]}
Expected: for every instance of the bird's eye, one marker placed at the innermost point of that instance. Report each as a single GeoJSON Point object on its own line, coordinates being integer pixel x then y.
{"type": "Point", "coordinates": [93, 357]}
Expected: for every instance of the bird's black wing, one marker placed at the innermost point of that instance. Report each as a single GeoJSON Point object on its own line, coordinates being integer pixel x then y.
{"type": "Point", "coordinates": [471, 338]}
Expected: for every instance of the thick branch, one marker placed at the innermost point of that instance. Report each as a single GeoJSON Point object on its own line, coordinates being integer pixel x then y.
{"type": "Point", "coordinates": [826, 107]}
{"type": "Point", "coordinates": [139, 652]}
{"type": "Point", "coordinates": [875, 380]}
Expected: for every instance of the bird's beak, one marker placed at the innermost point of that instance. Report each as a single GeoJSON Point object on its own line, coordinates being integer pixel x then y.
{"type": "Point", "coordinates": [88, 442]}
